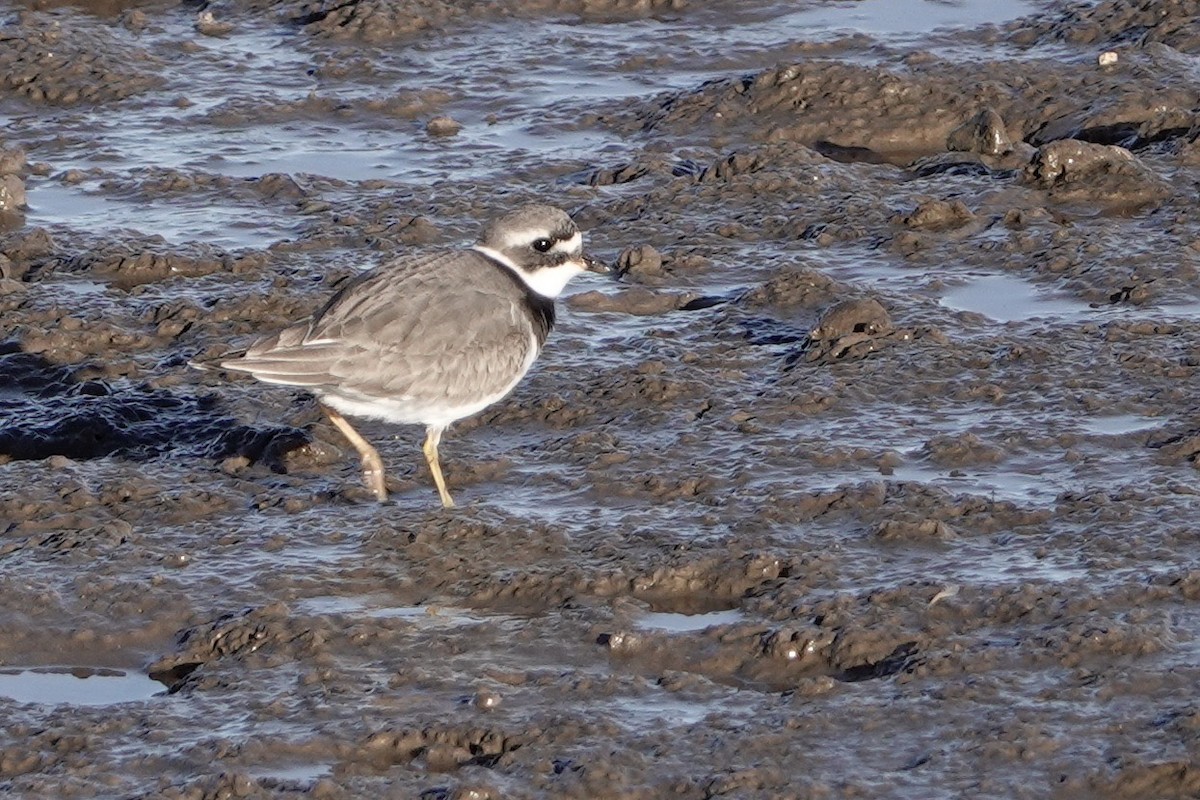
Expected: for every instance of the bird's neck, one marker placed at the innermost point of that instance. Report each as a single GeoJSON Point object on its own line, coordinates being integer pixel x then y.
{"type": "Point", "coordinates": [548, 282]}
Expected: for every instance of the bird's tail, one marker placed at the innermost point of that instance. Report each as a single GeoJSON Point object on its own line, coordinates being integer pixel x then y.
{"type": "Point", "coordinates": [217, 363]}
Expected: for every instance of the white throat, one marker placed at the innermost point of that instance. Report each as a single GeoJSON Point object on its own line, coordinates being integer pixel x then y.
{"type": "Point", "coordinates": [548, 281]}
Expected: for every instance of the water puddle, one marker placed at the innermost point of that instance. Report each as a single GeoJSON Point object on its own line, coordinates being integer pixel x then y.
{"type": "Point", "coordinates": [329, 604]}
{"type": "Point", "coordinates": [78, 686]}
{"type": "Point", "coordinates": [423, 615]}
{"type": "Point", "coordinates": [76, 287]}
{"type": "Point", "coordinates": [894, 18]}
{"type": "Point", "coordinates": [1020, 488]}
{"type": "Point", "coordinates": [436, 616]}
{"type": "Point", "coordinates": [1117, 424]}
{"type": "Point", "coordinates": [1015, 565]}
{"type": "Point", "coordinates": [686, 623]}
{"type": "Point", "coordinates": [769, 32]}
{"type": "Point", "coordinates": [298, 773]}
{"type": "Point", "coordinates": [177, 220]}
{"type": "Point", "coordinates": [674, 711]}
{"type": "Point", "coordinates": [1005, 298]}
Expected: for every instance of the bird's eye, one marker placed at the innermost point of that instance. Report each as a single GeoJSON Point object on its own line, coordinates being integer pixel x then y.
{"type": "Point", "coordinates": [542, 245]}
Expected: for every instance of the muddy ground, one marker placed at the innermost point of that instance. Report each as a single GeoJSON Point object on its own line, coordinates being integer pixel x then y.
{"type": "Point", "coordinates": [873, 476]}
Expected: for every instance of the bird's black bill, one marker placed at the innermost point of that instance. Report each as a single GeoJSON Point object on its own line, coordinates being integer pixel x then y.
{"type": "Point", "coordinates": [596, 265]}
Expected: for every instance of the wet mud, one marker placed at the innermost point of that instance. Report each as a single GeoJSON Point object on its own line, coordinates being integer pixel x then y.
{"type": "Point", "coordinates": [872, 474]}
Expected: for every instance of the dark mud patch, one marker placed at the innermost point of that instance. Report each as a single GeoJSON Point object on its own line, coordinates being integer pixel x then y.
{"type": "Point", "coordinates": [856, 113]}
{"type": "Point", "coordinates": [63, 59]}
{"type": "Point", "coordinates": [48, 410]}
{"type": "Point", "coordinates": [1113, 24]}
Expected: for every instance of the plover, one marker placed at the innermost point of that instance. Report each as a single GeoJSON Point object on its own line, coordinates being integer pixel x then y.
{"type": "Point", "coordinates": [430, 338]}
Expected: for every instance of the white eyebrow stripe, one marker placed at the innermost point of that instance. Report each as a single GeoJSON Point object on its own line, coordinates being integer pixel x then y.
{"type": "Point", "coordinates": [570, 246]}
{"type": "Point", "coordinates": [524, 237]}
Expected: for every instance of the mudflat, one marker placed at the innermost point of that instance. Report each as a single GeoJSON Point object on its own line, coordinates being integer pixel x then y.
{"type": "Point", "coordinates": [874, 474]}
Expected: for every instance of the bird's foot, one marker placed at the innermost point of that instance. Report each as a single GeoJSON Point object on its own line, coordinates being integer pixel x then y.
{"type": "Point", "coordinates": [375, 480]}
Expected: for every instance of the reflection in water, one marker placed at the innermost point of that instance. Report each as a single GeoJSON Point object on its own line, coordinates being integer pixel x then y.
{"type": "Point", "coordinates": [300, 773]}
{"type": "Point", "coordinates": [1117, 424]}
{"type": "Point", "coordinates": [683, 623]}
{"type": "Point", "coordinates": [1006, 298]}
{"type": "Point", "coordinates": [80, 686]}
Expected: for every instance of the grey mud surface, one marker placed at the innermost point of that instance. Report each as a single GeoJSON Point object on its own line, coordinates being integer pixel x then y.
{"type": "Point", "coordinates": [874, 476]}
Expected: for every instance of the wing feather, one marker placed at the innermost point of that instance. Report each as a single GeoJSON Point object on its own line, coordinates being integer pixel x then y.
{"type": "Point", "coordinates": [444, 328]}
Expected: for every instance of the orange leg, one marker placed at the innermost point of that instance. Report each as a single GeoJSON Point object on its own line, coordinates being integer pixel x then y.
{"type": "Point", "coordinates": [430, 448]}
{"type": "Point", "coordinates": [372, 464]}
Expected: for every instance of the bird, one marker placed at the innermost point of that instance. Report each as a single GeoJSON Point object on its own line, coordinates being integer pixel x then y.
{"type": "Point", "coordinates": [429, 338]}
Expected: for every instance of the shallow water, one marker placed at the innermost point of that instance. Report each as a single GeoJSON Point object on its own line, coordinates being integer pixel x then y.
{"type": "Point", "coordinates": [1005, 299]}
{"type": "Point", "coordinates": [683, 623]}
{"type": "Point", "coordinates": [722, 541]}
{"type": "Point", "coordinates": [521, 121]}
{"type": "Point", "coordinates": [76, 686]}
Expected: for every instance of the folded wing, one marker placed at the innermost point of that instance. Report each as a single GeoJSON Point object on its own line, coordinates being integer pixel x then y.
{"type": "Point", "coordinates": [445, 328]}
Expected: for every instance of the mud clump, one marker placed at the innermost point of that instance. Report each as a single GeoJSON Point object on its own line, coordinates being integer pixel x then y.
{"type": "Point", "coordinates": [852, 329]}
{"type": "Point", "coordinates": [443, 126]}
{"type": "Point", "coordinates": [923, 530]}
{"type": "Point", "coordinates": [230, 636]}
{"type": "Point", "coordinates": [985, 133]}
{"type": "Point", "coordinates": [643, 260]}
{"type": "Point", "coordinates": [1123, 22]}
{"type": "Point", "coordinates": [1074, 171]}
{"type": "Point", "coordinates": [12, 185]}
{"type": "Point", "coordinates": [792, 287]}
{"type": "Point", "coordinates": [65, 59]}
{"type": "Point", "coordinates": [127, 270]}
{"type": "Point", "coordinates": [938, 215]}
{"type": "Point", "coordinates": [864, 114]}
{"type": "Point", "coordinates": [962, 450]}
{"type": "Point", "coordinates": [375, 22]}
{"type": "Point", "coordinates": [635, 302]}
{"type": "Point", "coordinates": [24, 250]}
